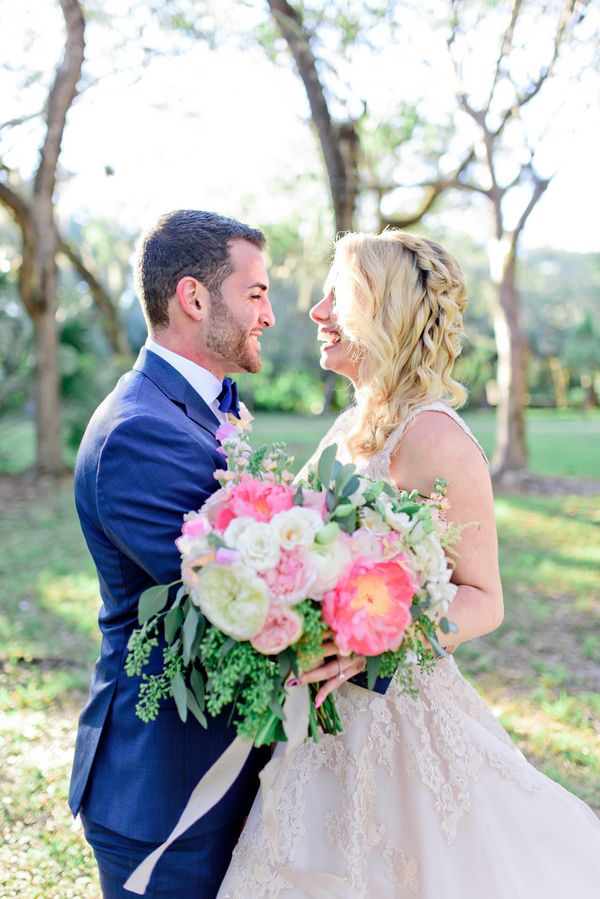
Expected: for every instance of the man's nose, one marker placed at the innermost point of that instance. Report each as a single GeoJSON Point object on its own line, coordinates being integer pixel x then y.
{"type": "Point", "coordinates": [268, 316]}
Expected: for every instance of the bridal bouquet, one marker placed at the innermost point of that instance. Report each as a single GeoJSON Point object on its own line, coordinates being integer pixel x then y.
{"type": "Point", "coordinates": [272, 569]}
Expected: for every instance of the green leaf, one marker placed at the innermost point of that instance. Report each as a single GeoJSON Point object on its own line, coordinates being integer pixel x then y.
{"type": "Point", "coordinates": [195, 709]}
{"type": "Point", "coordinates": [227, 645]}
{"type": "Point", "coordinates": [352, 485]}
{"type": "Point", "coordinates": [343, 510]}
{"type": "Point", "coordinates": [344, 475]}
{"type": "Point", "coordinates": [325, 464]}
{"type": "Point", "coordinates": [298, 497]}
{"type": "Point", "coordinates": [152, 601]}
{"type": "Point", "coordinates": [197, 685]}
{"type": "Point", "coordinates": [437, 647]}
{"type": "Point", "coordinates": [173, 620]}
{"type": "Point", "coordinates": [373, 669]}
{"type": "Point", "coordinates": [180, 695]}
{"type": "Point", "coordinates": [188, 630]}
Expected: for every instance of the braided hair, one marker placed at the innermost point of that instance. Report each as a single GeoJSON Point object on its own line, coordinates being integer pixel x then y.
{"type": "Point", "coordinates": [400, 299]}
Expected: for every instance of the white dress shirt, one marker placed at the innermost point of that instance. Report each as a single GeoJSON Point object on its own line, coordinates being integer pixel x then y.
{"type": "Point", "coordinates": [203, 381]}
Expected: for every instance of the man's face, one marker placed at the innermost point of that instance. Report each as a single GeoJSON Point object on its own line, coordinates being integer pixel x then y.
{"type": "Point", "coordinates": [239, 315]}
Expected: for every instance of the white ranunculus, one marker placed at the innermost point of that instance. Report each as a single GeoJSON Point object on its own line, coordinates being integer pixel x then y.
{"type": "Point", "coordinates": [236, 528]}
{"type": "Point", "coordinates": [233, 598]}
{"type": "Point", "coordinates": [328, 561]}
{"type": "Point", "coordinates": [366, 543]}
{"type": "Point", "coordinates": [399, 521]}
{"type": "Point", "coordinates": [372, 521]}
{"type": "Point", "coordinates": [296, 527]}
{"type": "Point", "coordinates": [258, 546]}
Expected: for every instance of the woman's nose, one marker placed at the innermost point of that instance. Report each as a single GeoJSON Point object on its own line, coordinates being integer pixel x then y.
{"type": "Point", "coordinates": [320, 312]}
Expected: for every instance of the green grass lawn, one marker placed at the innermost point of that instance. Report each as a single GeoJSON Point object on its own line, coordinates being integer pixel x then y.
{"type": "Point", "coordinates": [560, 443]}
{"type": "Point", "coordinates": [540, 671]}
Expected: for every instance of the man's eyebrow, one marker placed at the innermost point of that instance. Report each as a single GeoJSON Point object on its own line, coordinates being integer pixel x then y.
{"type": "Point", "coordinates": [258, 284]}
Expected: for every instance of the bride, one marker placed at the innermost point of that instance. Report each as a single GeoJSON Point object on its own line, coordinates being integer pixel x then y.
{"type": "Point", "coordinates": [424, 796]}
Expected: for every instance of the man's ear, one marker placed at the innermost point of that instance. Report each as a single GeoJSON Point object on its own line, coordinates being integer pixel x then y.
{"type": "Point", "coordinates": [192, 297]}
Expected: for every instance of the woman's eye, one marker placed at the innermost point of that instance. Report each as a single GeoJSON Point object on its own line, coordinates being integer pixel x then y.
{"type": "Point", "coordinates": [255, 296]}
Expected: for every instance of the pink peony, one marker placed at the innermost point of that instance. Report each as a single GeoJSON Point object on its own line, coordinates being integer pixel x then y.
{"type": "Point", "coordinates": [292, 578]}
{"type": "Point", "coordinates": [257, 499]}
{"type": "Point", "coordinates": [369, 608]}
{"type": "Point", "coordinates": [282, 628]}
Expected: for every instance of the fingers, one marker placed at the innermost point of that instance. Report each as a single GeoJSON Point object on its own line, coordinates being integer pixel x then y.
{"type": "Point", "coordinates": [355, 667]}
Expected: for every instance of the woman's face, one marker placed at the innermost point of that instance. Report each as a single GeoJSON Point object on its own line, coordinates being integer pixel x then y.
{"type": "Point", "coordinates": [337, 353]}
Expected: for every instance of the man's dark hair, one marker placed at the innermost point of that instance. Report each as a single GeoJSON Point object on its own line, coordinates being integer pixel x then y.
{"type": "Point", "coordinates": [186, 242]}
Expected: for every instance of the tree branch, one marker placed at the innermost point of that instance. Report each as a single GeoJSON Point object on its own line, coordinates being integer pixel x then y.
{"type": "Point", "coordinates": [343, 192]}
{"type": "Point", "coordinates": [110, 316]}
{"type": "Point", "coordinates": [505, 48]}
{"type": "Point", "coordinates": [60, 98]}
{"type": "Point", "coordinates": [545, 73]}
{"type": "Point", "coordinates": [433, 191]}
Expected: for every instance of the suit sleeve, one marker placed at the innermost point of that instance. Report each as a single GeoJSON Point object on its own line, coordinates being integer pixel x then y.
{"type": "Point", "coordinates": [149, 475]}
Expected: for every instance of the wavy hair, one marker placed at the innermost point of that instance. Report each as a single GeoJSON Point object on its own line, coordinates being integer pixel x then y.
{"type": "Point", "coordinates": [400, 299]}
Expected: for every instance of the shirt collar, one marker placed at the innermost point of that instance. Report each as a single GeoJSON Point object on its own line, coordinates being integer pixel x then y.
{"type": "Point", "coordinates": [203, 381]}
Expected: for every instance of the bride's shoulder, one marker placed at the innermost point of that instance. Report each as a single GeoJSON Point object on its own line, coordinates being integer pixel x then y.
{"type": "Point", "coordinates": [438, 441]}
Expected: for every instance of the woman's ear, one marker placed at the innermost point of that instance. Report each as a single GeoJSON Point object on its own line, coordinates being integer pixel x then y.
{"type": "Point", "coordinates": [192, 297]}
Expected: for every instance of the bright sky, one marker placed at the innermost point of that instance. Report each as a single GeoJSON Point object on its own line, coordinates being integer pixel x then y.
{"type": "Point", "coordinates": [226, 130]}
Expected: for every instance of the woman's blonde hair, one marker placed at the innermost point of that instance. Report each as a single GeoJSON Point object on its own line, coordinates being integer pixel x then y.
{"type": "Point", "coordinates": [400, 300]}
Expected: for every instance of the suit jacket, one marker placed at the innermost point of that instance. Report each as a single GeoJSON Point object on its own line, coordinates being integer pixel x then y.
{"type": "Point", "coordinates": [147, 457]}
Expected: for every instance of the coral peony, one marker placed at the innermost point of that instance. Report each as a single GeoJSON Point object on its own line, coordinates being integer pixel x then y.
{"type": "Point", "coordinates": [257, 499]}
{"type": "Point", "coordinates": [282, 628]}
{"type": "Point", "coordinates": [369, 608]}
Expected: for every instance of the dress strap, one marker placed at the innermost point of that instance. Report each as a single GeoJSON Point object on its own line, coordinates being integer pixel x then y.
{"type": "Point", "coordinates": [398, 433]}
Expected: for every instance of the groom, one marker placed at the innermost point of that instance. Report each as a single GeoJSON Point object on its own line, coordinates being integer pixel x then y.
{"type": "Point", "coordinates": [147, 457]}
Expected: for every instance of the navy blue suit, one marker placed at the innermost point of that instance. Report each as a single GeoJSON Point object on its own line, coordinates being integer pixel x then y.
{"type": "Point", "coordinates": [147, 457]}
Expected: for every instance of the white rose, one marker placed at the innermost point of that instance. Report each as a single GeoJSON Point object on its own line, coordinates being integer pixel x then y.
{"type": "Point", "coordinates": [236, 528]}
{"type": "Point", "coordinates": [430, 558]}
{"type": "Point", "coordinates": [258, 546]}
{"type": "Point", "coordinates": [372, 521]}
{"type": "Point", "coordinates": [328, 561]}
{"type": "Point", "coordinates": [296, 527]}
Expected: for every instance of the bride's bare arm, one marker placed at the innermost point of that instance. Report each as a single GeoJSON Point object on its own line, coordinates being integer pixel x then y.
{"type": "Point", "coordinates": [436, 446]}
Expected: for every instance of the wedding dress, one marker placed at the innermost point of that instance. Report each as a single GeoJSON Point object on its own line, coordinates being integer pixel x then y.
{"type": "Point", "coordinates": [418, 797]}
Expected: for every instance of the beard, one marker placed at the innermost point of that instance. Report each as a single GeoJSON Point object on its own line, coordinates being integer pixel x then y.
{"type": "Point", "coordinates": [227, 337]}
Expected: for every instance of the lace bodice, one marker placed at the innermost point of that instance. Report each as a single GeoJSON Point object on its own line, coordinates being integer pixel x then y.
{"type": "Point", "coordinates": [378, 465]}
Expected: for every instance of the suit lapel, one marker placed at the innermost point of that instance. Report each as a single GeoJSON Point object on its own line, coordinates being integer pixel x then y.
{"type": "Point", "coordinates": [177, 389]}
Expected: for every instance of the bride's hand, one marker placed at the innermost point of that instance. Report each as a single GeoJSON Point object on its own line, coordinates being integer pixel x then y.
{"type": "Point", "coordinates": [335, 671]}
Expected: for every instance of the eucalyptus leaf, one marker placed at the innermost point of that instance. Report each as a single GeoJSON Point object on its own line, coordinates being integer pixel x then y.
{"type": "Point", "coordinates": [152, 601]}
{"type": "Point", "coordinates": [173, 620]}
{"type": "Point", "coordinates": [188, 630]}
{"type": "Point", "coordinates": [180, 695]}
{"type": "Point", "coordinates": [325, 464]}
{"type": "Point", "coordinates": [351, 487]}
{"type": "Point", "coordinates": [195, 709]}
{"type": "Point", "coordinates": [227, 645]}
{"type": "Point", "coordinates": [197, 685]}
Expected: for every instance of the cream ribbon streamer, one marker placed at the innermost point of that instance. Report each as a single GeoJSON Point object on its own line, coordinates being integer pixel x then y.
{"type": "Point", "coordinates": [217, 781]}
{"type": "Point", "coordinates": [211, 788]}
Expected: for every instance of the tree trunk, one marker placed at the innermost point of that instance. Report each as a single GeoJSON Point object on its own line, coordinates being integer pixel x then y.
{"type": "Point", "coordinates": [49, 445]}
{"type": "Point", "coordinates": [560, 382]}
{"type": "Point", "coordinates": [511, 450]}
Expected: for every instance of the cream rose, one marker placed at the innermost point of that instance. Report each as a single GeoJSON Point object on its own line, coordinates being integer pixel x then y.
{"type": "Point", "coordinates": [328, 561]}
{"type": "Point", "coordinates": [372, 521]}
{"type": "Point", "coordinates": [233, 598]}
